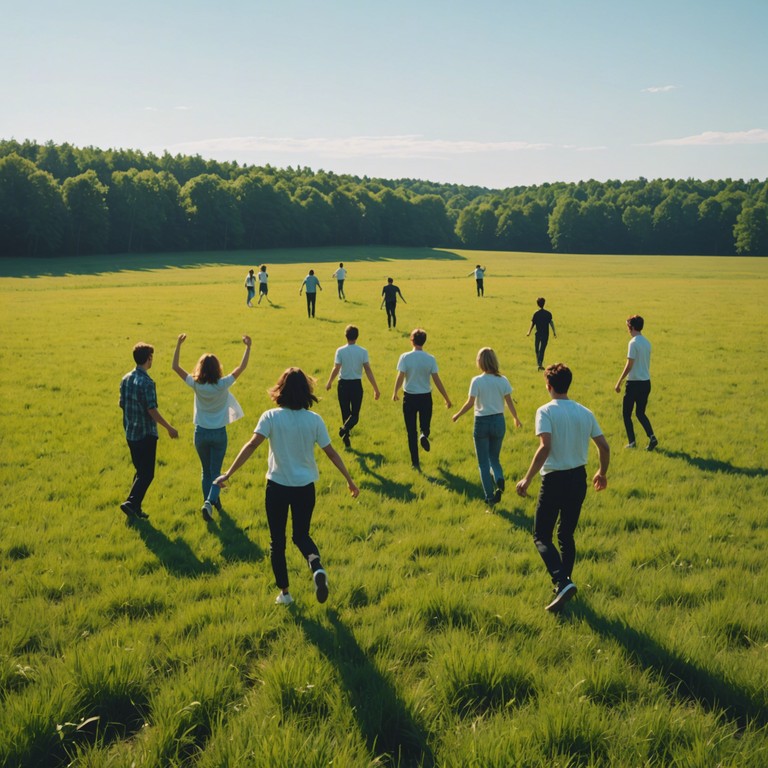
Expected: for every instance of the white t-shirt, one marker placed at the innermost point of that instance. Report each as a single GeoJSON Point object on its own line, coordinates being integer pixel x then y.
{"type": "Point", "coordinates": [340, 273]}
{"type": "Point", "coordinates": [639, 350]}
{"type": "Point", "coordinates": [418, 366]}
{"type": "Point", "coordinates": [352, 358]}
{"type": "Point", "coordinates": [571, 426]}
{"type": "Point", "coordinates": [489, 391]}
{"type": "Point", "coordinates": [292, 436]}
{"type": "Point", "coordinates": [215, 406]}
{"type": "Point", "coordinates": [263, 277]}
{"type": "Point", "coordinates": [479, 274]}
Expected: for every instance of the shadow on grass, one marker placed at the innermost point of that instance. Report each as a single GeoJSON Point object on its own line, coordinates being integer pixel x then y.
{"type": "Point", "coordinates": [516, 517]}
{"type": "Point", "coordinates": [714, 465]}
{"type": "Point", "coordinates": [175, 555]}
{"type": "Point", "coordinates": [383, 484]}
{"type": "Point", "coordinates": [459, 484]}
{"type": "Point", "coordinates": [684, 679]}
{"type": "Point", "coordinates": [128, 262]}
{"type": "Point", "coordinates": [235, 544]}
{"type": "Point", "coordinates": [385, 721]}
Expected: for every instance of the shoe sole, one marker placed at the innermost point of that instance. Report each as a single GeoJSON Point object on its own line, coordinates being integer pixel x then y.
{"type": "Point", "coordinates": [557, 605]}
{"type": "Point", "coordinates": [321, 586]}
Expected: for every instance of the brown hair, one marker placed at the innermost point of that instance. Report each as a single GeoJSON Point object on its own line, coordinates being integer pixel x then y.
{"type": "Point", "coordinates": [419, 337]}
{"type": "Point", "coordinates": [293, 390]}
{"type": "Point", "coordinates": [559, 377]}
{"type": "Point", "coordinates": [636, 322]}
{"type": "Point", "coordinates": [208, 370]}
{"type": "Point", "coordinates": [142, 352]}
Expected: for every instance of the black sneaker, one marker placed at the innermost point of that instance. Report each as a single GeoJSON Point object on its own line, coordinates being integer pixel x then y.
{"type": "Point", "coordinates": [141, 514]}
{"type": "Point", "coordinates": [497, 496]}
{"type": "Point", "coordinates": [424, 440]}
{"type": "Point", "coordinates": [563, 593]}
{"type": "Point", "coordinates": [128, 509]}
{"type": "Point", "coordinates": [342, 431]}
{"type": "Point", "coordinates": [321, 585]}
{"type": "Point", "coordinates": [345, 440]}
{"type": "Point", "coordinates": [652, 443]}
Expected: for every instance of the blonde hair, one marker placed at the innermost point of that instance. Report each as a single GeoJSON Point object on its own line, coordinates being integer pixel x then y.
{"type": "Point", "coordinates": [487, 361]}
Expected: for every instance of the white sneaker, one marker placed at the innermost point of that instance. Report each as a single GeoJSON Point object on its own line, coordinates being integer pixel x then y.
{"type": "Point", "coordinates": [207, 511]}
{"type": "Point", "coordinates": [284, 598]}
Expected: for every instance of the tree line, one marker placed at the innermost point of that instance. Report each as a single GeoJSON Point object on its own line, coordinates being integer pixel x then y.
{"type": "Point", "coordinates": [65, 200]}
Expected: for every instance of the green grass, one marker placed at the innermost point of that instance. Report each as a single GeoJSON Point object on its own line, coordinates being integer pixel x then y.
{"type": "Point", "coordinates": [158, 644]}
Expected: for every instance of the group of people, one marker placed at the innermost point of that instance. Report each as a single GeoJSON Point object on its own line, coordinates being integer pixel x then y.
{"type": "Point", "coordinates": [564, 429]}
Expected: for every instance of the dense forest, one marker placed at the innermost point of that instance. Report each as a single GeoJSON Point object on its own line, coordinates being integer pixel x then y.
{"type": "Point", "coordinates": [65, 200]}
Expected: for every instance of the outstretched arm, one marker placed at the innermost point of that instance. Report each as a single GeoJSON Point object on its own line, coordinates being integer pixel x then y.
{"type": "Point", "coordinates": [245, 454]}
{"type": "Point", "coordinates": [177, 353]}
{"type": "Point", "coordinates": [246, 356]}
{"type": "Point", "coordinates": [332, 454]}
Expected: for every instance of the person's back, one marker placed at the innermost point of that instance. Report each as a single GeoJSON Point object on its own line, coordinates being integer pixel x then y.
{"type": "Point", "coordinates": [418, 367]}
{"type": "Point", "coordinates": [541, 319]}
{"type": "Point", "coordinates": [571, 426]}
{"type": "Point", "coordinates": [639, 350]}
{"type": "Point", "coordinates": [352, 358]}
{"type": "Point", "coordinates": [390, 292]}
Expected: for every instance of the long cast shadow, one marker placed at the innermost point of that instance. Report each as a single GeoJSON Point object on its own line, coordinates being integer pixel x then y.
{"type": "Point", "coordinates": [388, 726]}
{"type": "Point", "coordinates": [383, 485]}
{"type": "Point", "coordinates": [714, 465]}
{"type": "Point", "coordinates": [175, 555]}
{"type": "Point", "coordinates": [684, 679]}
{"type": "Point", "coordinates": [459, 484]}
{"type": "Point", "coordinates": [516, 517]}
{"type": "Point", "coordinates": [235, 544]}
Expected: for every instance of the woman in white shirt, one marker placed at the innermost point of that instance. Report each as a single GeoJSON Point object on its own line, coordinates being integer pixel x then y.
{"type": "Point", "coordinates": [292, 430]}
{"type": "Point", "coordinates": [487, 394]}
{"type": "Point", "coordinates": [215, 407]}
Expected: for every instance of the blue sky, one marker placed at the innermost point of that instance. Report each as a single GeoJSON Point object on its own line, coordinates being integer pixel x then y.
{"type": "Point", "coordinates": [483, 92]}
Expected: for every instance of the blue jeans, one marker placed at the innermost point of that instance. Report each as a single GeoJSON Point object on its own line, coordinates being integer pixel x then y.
{"type": "Point", "coordinates": [488, 434]}
{"type": "Point", "coordinates": [211, 445]}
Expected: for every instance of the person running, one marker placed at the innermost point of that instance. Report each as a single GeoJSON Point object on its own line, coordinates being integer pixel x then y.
{"type": "Point", "coordinates": [348, 364]}
{"type": "Point", "coordinates": [311, 284]}
{"type": "Point", "coordinates": [637, 371]}
{"type": "Point", "coordinates": [263, 284]}
{"type": "Point", "coordinates": [250, 287]}
{"type": "Point", "coordinates": [487, 393]}
{"type": "Point", "coordinates": [479, 274]}
{"type": "Point", "coordinates": [138, 400]}
{"type": "Point", "coordinates": [414, 371]}
{"type": "Point", "coordinates": [542, 321]}
{"type": "Point", "coordinates": [215, 407]}
{"type": "Point", "coordinates": [340, 275]}
{"type": "Point", "coordinates": [390, 292]}
{"type": "Point", "coordinates": [564, 428]}
{"type": "Point", "coordinates": [292, 431]}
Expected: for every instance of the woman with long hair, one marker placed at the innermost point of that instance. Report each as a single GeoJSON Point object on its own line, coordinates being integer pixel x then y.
{"type": "Point", "coordinates": [215, 407]}
{"type": "Point", "coordinates": [487, 394]}
{"type": "Point", "coordinates": [292, 430]}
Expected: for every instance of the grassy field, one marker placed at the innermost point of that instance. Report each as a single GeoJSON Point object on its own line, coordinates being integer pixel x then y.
{"type": "Point", "coordinates": [158, 643]}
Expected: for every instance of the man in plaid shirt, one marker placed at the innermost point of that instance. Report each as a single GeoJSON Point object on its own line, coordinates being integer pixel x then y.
{"type": "Point", "coordinates": [138, 399]}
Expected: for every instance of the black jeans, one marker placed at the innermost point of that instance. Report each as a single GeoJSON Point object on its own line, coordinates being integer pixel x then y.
{"type": "Point", "coordinates": [416, 407]}
{"type": "Point", "coordinates": [391, 318]}
{"type": "Point", "coordinates": [561, 495]}
{"type": "Point", "coordinates": [301, 501]}
{"type": "Point", "coordinates": [350, 392]}
{"type": "Point", "coordinates": [540, 344]}
{"type": "Point", "coordinates": [636, 397]}
{"type": "Point", "coordinates": [340, 286]}
{"type": "Point", "coordinates": [143, 454]}
{"type": "Point", "coordinates": [311, 304]}
{"type": "Point", "coordinates": [480, 287]}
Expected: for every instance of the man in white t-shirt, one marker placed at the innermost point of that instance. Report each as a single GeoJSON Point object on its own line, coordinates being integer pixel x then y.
{"type": "Point", "coordinates": [348, 364]}
{"type": "Point", "coordinates": [263, 284]}
{"type": "Point", "coordinates": [415, 372]}
{"type": "Point", "coordinates": [564, 428]}
{"type": "Point", "coordinates": [479, 273]}
{"type": "Point", "coordinates": [637, 371]}
{"type": "Point", "coordinates": [340, 274]}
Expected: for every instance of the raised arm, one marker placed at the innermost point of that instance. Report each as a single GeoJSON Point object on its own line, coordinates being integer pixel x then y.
{"type": "Point", "coordinates": [338, 462]}
{"type": "Point", "coordinates": [177, 353]}
{"type": "Point", "coordinates": [246, 356]}
{"type": "Point", "coordinates": [369, 374]}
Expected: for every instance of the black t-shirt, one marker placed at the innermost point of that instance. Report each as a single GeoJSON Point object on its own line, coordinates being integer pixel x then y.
{"type": "Point", "coordinates": [541, 320]}
{"type": "Point", "coordinates": [389, 292]}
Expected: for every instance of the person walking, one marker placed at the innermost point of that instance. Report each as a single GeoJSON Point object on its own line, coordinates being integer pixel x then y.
{"type": "Point", "coordinates": [214, 408]}
{"type": "Point", "coordinates": [542, 321]}
{"type": "Point", "coordinates": [390, 292]}
{"type": "Point", "coordinates": [292, 431]}
{"type": "Point", "coordinates": [415, 372]}
{"type": "Point", "coordinates": [138, 400]}
{"type": "Point", "coordinates": [564, 428]}
{"type": "Point", "coordinates": [340, 274]}
{"type": "Point", "coordinates": [637, 371]}
{"type": "Point", "coordinates": [311, 284]}
{"type": "Point", "coordinates": [487, 394]}
{"type": "Point", "coordinates": [479, 274]}
{"type": "Point", "coordinates": [250, 287]}
{"type": "Point", "coordinates": [348, 364]}
{"type": "Point", "coordinates": [263, 284]}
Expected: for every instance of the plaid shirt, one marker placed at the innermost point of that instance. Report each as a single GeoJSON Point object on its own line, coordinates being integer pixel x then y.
{"type": "Point", "coordinates": [137, 397]}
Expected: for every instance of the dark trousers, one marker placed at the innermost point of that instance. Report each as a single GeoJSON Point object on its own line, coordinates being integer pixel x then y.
{"type": "Point", "coordinates": [391, 318]}
{"type": "Point", "coordinates": [340, 285]}
{"type": "Point", "coordinates": [143, 453]}
{"type": "Point", "coordinates": [350, 392]}
{"type": "Point", "coordinates": [301, 501]}
{"type": "Point", "coordinates": [416, 407]}
{"type": "Point", "coordinates": [311, 304]}
{"type": "Point", "coordinates": [561, 495]}
{"type": "Point", "coordinates": [480, 289]}
{"type": "Point", "coordinates": [636, 397]}
{"type": "Point", "coordinates": [540, 342]}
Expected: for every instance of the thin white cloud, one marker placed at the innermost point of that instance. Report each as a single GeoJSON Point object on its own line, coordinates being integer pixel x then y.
{"type": "Point", "coordinates": [151, 109]}
{"type": "Point", "coordinates": [659, 89]}
{"type": "Point", "coordinates": [357, 146]}
{"type": "Point", "coordinates": [182, 109]}
{"type": "Point", "coordinates": [715, 139]}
